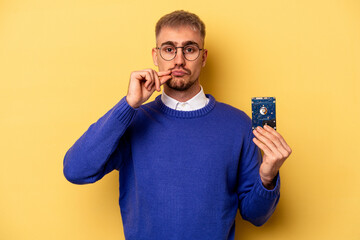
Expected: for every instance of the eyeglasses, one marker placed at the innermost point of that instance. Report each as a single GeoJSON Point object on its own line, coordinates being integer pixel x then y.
{"type": "Point", "coordinates": [168, 52]}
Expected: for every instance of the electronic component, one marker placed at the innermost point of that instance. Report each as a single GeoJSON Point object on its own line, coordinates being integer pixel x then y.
{"type": "Point", "coordinates": [263, 112]}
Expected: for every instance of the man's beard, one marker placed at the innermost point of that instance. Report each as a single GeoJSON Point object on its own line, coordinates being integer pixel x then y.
{"type": "Point", "coordinates": [179, 84]}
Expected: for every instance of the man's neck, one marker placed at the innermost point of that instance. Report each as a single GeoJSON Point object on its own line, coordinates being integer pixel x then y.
{"type": "Point", "coordinates": [183, 96]}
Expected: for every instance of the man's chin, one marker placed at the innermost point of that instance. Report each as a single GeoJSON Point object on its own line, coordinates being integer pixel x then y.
{"type": "Point", "coordinates": [179, 84]}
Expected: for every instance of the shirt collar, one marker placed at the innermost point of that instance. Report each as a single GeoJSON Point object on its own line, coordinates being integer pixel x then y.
{"type": "Point", "coordinates": [198, 101]}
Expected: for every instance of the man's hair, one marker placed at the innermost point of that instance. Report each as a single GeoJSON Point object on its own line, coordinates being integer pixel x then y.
{"type": "Point", "coordinates": [181, 18]}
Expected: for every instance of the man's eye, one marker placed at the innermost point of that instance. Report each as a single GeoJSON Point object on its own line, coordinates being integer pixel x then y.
{"type": "Point", "coordinates": [169, 49]}
{"type": "Point", "coordinates": [190, 49]}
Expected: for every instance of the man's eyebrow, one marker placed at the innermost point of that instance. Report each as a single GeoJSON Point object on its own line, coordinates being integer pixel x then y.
{"type": "Point", "coordinates": [183, 44]}
{"type": "Point", "coordinates": [168, 43]}
{"type": "Point", "coordinates": [190, 43]}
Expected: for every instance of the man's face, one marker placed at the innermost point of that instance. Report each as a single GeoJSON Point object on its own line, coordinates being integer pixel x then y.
{"type": "Point", "coordinates": [184, 72]}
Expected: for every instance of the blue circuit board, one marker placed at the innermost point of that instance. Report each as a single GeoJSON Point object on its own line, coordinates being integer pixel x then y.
{"type": "Point", "coordinates": [263, 112]}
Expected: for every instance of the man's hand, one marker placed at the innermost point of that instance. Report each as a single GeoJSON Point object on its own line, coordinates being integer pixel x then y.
{"type": "Point", "coordinates": [276, 151]}
{"type": "Point", "coordinates": [143, 84]}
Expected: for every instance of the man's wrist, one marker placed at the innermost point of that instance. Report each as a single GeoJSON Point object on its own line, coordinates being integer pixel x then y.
{"type": "Point", "coordinates": [131, 104]}
{"type": "Point", "coordinates": [269, 184]}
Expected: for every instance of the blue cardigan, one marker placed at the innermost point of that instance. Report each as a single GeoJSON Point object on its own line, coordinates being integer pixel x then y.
{"type": "Point", "coordinates": [182, 175]}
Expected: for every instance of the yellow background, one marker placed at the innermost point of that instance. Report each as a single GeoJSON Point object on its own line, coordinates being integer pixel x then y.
{"type": "Point", "coordinates": [63, 64]}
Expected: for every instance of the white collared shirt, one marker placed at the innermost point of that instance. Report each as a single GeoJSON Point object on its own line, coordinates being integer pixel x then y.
{"type": "Point", "coordinates": [197, 102]}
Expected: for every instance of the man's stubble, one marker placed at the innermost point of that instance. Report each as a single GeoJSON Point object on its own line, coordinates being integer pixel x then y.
{"type": "Point", "coordinates": [179, 84]}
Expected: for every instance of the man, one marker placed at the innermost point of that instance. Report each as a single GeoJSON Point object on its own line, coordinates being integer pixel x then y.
{"type": "Point", "coordinates": [186, 162]}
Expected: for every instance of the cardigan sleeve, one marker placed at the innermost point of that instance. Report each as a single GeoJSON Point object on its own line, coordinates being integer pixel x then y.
{"type": "Point", "coordinates": [102, 148]}
{"type": "Point", "coordinates": [256, 203]}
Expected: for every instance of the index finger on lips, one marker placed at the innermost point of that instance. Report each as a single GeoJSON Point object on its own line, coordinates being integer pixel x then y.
{"type": "Point", "coordinates": [164, 73]}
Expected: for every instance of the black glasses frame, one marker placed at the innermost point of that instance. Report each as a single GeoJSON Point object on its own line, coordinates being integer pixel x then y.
{"type": "Point", "coordinates": [200, 49]}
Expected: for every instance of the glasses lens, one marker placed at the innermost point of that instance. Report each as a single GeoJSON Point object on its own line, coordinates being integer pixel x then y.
{"type": "Point", "coordinates": [167, 52]}
{"type": "Point", "coordinates": [191, 52]}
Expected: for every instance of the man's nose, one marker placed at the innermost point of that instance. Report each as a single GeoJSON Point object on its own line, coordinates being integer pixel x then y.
{"type": "Point", "coordinates": [179, 58]}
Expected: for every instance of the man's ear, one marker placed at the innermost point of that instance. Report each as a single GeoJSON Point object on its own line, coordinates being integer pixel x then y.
{"type": "Point", "coordinates": [155, 57]}
{"type": "Point", "coordinates": [204, 57]}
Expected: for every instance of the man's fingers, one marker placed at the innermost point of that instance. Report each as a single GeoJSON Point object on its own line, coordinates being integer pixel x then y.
{"type": "Point", "coordinates": [151, 87]}
{"type": "Point", "coordinates": [152, 74]}
{"type": "Point", "coordinates": [164, 76]}
{"type": "Point", "coordinates": [269, 135]}
{"type": "Point", "coordinates": [281, 139]}
{"type": "Point", "coordinates": [158, 78]}
{"type": "Point", "coordinates": [148, 79]}
{"type": "Point", "coordinates": [154, 78]}
{"type": "Point", "coordinates": [272, 142]}
{"type": "Point", "coordinates": [164, 79]}
{"type": "Point", "coordinates": [157, 82]}
{"type": "Point", "coordinates": [163, 73]}
{"type": "Point", "coordinates": [260, 134]}
{"type": "Point", "coordinates": [151, 78]}
{"type": "Point", "coordinates": [262, 146]}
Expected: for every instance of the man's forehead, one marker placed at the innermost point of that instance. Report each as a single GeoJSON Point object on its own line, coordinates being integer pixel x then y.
{"type": "Point", "coordinates": [179, 35]}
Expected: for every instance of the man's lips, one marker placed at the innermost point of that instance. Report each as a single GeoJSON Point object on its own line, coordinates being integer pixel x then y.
{"type": "Point", "coordinates": [178, 73]}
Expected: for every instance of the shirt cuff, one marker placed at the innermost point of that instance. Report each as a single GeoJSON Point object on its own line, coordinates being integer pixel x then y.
{"type": "Point", "coordinates": [266, 193]}
{"type": "Point", "coordinates": [124, 112]}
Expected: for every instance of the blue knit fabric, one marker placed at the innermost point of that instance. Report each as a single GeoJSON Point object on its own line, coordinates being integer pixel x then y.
{"type": "Point", "coordinates": [182, 175]}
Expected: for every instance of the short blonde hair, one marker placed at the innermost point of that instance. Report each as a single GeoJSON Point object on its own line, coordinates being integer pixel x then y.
{"type": "Point", "coordinates": [181, 18]}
